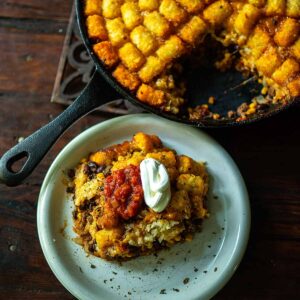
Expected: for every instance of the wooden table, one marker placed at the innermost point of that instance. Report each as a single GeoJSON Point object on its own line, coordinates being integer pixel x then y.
{"type": "Point", "coordinates": [31, 37]}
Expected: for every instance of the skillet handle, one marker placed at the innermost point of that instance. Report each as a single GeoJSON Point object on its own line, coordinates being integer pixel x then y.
{"type": "Point", "coordinates": [35, 146]}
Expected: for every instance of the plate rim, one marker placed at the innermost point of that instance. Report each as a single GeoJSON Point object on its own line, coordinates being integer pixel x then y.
{"type": "Point", "coordinates": [242, 240]}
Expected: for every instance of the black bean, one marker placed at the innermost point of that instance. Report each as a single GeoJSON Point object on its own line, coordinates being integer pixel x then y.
{"type": "Point", "coordinates": [70, 189]}
{"type": "Point", "coordinates": [92, 166]}
{"type": "Point", "coordinates": [91, 203]}
{"type": "Point", "coordinates": [101, 168]}
{"type": "Point", "coordinates": [83, 206]}
{"type": "Point", "coordinates": [74, 213]}
{"type": "Point", "coordinates": [92, 247]}
{"type": "Point", "coordinates": [71, 173]}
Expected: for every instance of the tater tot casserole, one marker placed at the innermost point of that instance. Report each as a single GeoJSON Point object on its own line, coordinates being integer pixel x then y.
{"type": "Point", "coordinates": [111, 218]}
{"type": "Point", "coordinates": [142, 42]}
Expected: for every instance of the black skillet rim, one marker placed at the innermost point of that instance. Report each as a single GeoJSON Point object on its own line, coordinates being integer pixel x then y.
{"type": "Point", "coordinates": [206, 123]}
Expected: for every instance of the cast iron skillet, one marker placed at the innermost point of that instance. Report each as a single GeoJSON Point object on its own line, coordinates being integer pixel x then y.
{"type": "Point", "coordinates": [226, 87]}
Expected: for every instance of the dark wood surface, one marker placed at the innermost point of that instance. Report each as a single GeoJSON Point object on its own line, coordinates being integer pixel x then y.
{"type": "Point", "coordinates": [31, 38]}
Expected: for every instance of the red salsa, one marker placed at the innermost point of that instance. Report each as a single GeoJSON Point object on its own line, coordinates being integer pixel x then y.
{"type": "Point", "coordinates": [123, 195]}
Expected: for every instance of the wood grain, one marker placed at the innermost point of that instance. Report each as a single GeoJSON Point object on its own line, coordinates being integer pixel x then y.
{"type": "Point", "coordinates": [31, 37]}
{"type": "Point", "coordinates": [55, 10]}
{"type": "Point", "coordinates": [266, 154]}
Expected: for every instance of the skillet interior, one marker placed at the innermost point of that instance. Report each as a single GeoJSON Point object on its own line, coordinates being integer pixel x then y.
{"type": "Point", "coordinates": [201, 84]}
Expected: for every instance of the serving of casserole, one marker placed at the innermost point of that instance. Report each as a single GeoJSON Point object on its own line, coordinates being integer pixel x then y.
{"type": "Point", "coordinates": [136, 198]}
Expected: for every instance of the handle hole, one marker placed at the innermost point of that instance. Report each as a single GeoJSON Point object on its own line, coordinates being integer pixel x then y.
{"type": "Point", "coordinates": [17, 163]}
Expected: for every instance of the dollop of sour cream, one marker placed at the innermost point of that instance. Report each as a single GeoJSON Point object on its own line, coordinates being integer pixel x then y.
{"type": "Point", "coordinates": [156, 184]}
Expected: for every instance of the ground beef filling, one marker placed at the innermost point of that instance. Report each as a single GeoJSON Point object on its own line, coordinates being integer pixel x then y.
{"type": "Point", "coordinates": [124, 196]}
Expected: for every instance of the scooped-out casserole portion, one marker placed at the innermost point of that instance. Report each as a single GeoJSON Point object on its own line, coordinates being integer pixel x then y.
{"type": "Point", "coordinates": [137, 197]}
{"type": "Point", "coordinates": [143, 41]}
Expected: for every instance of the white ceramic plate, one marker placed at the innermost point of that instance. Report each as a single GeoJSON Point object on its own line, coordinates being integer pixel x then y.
{"type": "Point", "coordinates": [193, 270]}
